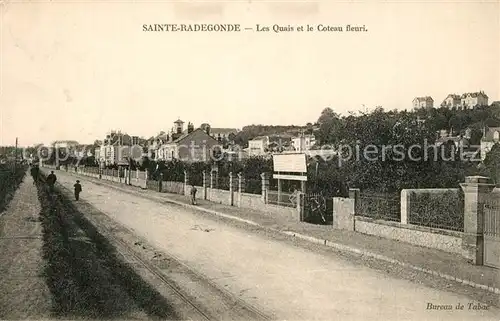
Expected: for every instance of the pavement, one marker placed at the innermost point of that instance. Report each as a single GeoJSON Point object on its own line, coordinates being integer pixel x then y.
{"type": "Point", "coordinates": [285, 281]}
{"type": "Point", "coordinates": [24, 292]}
{"type": "Point", "coordinates": [432, 261]}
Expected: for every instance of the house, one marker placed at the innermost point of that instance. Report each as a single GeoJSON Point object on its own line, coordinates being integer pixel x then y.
{"type": "Point", "coordinates": [191, 145]}
{"type": "Point", "coordinates": [423, 102]}
{"type": "Point", "coordinates": [489, 139]}
{"type": "Point", "coordinates": [452, 101]}
{"type": "Point", "coordinates": [69, 145]}
{"type": "Point", "coordinates": [261, 145]}
{"type": "Point", "coordinates": [154, 143]}
{"type": "Point", "coordinates": [471, 100]}
{"type": "Point", "coordinates": [118, 148]}
{"type": "Point", "coordinates": [82, 151]}
{"type": "Point", "coordinates": [258, 145]}
{"type": "Point", "coordinates": [303, 142]}
{"type": "Point", "coordinates": [223, 134]}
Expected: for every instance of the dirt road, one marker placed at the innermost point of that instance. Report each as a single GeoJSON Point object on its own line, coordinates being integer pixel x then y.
{"type": "Point", "coordinates": [280, 280]}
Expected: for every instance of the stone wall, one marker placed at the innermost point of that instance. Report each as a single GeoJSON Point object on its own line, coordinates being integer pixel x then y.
{"type": "Point", "coordinates": [445, 240]}
{"type": "Point", "coordinates": [172, 187]}
{"type": "Point", "coordinates": [251, 201]}
{"type": "Point", "coordinates": [218, 196]}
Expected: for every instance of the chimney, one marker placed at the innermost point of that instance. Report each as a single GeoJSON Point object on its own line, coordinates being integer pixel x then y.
{"type": "Point", "coordinates": [179, 126]}
{"type": "Point", "coordinates": [190, 128]}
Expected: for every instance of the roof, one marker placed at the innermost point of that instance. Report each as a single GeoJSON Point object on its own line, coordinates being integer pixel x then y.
{"type": "Point", "coordinates": [424, 98]}
{"type": "Point", "coordinates": [488, 136]}
{"type": "Point", "coordinates": [474, 95]}
{"type": "Point", "coordinates": [454, 96]}
{"type": "Point", "coordinates": [260, 138]}
{"type": "Point", "coordinates": [72, 142]}
{"type": "Point", "coordinates": [178, 121]}
{"type": "Point", "coordinates": [185, 135]}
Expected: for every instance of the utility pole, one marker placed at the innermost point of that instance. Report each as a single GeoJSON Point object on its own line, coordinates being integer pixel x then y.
{"type": "Point", "coordinates": [15, 157]}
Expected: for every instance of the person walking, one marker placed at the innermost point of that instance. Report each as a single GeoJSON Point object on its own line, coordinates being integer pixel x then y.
{"type": "Point", "coordinates": [51, 180]}
{"type": "Point", "coordinates": [193, 194]}
{"type": "Point", "coordinates": [78, 190]}
{"type": "Point", "coordinates": [34, 173]}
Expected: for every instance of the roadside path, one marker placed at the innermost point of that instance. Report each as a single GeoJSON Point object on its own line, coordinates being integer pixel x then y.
{"type": "Point", "coordinates": [24, 292]}
{"type": "Point", "coordinates": [282, 280]}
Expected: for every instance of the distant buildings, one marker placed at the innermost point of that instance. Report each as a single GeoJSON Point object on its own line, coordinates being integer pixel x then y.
{"type": "Point", "coordinates": [261, 145]}
{"type": "Point", "coordinates": [466, 100]}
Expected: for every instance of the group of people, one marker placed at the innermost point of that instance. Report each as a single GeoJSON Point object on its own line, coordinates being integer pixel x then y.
{"type": "Point", "coordinates": [51, 181]}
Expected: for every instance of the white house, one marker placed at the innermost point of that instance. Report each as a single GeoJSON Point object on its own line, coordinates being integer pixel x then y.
{"type": "Point", "coordinates": [423, 102]}
{"type": "Point", "coordinates": [490, 138]}
{"type": "Point", "coordinates": [258, 145]}
{"type": "Point", "coordinates": [303, 142]}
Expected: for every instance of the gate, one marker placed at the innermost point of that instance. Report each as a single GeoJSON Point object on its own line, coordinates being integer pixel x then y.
{"type": "Point", "coordinates": [491, 232]}
{"type": "Point", "coordinates": [317, 208]}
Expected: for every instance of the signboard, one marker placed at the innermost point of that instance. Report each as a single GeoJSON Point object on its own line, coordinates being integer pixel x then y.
{"type": "Point", "coordinates": [290, 177]}
{"type": "Point", "coordinates": [294, 163]}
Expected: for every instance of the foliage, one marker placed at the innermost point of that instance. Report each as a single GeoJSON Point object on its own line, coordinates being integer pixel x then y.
{"type": "Point", "coordinates": [443, 210]}
{"type": "Point", "coordinates": [10, 179]}
{"type": "Point", "coordinates": [250, 132]}
{"type": "Point", "coordinates": [491, 165]}
{"type": "Point", "coordinates": [388, 151]}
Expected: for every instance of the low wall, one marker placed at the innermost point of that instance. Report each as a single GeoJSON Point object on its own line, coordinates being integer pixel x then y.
{"type": "Point", "coordinates": [250, 201]}
{"type": "Point", "coordinates": [254, 201]}
{"type": "Point", "coordinates": [219, 196]}
{"type": "Point", "coordinates": [445, 240]}
{"type": "Point", "coordinates": [172, 187]}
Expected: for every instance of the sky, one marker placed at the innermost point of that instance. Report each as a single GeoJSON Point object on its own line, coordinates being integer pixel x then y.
{"type": "Point", "coordinates": [77, 69]}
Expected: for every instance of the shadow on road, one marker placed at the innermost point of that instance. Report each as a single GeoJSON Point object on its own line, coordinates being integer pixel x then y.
{"type": "Point", "coordinates": [83, 271]}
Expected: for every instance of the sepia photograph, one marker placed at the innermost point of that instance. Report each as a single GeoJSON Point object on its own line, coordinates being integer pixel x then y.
{"type": "Point", "coordinates": [250, 160]}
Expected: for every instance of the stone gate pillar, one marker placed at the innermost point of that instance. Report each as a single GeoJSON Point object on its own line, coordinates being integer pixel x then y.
{"type": "Point", "coordinates": [186, 183]}
{"type": "Point", "coordinates": [206, 184]}
{"type": "Point", "coordinates": [476, 191]}
{"type": "Point", "coordinates": [265, 186]}
{"type": "Point", "coordinates": [241, 187]}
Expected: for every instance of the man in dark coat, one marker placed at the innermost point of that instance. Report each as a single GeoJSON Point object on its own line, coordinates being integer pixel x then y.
{"type": "Point", "coordinates": [34, 173]}
{"type": "Point", "coordinates": [78, 190]}
{"type": "Point", "coordinates": [51, 180]}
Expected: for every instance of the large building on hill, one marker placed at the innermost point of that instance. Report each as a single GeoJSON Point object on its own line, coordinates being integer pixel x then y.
{"type": "Point", "coordinates": [466, 100]}
{"type": "Point", "coordinates": [452, 101]}
{"type": "Point", "coordinates": [471, 100]}
{"type": "Point", "coordinates": [423, 102]}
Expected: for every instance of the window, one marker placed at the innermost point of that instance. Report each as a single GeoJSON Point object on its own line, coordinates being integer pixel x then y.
{"type": "Point", "coordinates": [496, 135]}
